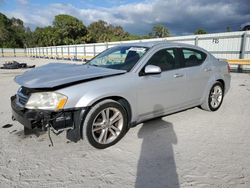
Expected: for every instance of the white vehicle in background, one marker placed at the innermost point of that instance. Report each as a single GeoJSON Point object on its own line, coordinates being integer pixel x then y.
{"type": "Point", "coordinates": [245, 26]}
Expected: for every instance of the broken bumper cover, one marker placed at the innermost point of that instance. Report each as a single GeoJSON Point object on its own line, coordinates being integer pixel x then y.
{"type": "Point", "coordinates": [70, 119]}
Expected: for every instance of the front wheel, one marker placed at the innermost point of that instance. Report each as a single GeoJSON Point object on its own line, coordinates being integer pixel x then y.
{"type": "Point", "coordinates": [105, 124]}
{"type": "Point", "coordinates": [215, 98]}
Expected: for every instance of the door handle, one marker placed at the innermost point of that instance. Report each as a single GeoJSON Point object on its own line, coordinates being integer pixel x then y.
{"type": "Point", "coordinates": [178, 75]}
{"type": "Point", "coordinates": [207, 69]}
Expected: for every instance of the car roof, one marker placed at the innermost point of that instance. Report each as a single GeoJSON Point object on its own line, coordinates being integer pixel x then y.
{"type": "Point", "coordinates": [150, 44]}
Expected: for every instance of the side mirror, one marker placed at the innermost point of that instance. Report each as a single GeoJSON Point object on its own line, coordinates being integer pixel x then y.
{"type": "Point", "coordinates": [152, 69]}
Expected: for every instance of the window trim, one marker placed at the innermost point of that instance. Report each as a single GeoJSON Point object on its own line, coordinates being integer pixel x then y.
{"type": "Point", "coordinates": [182, 59]}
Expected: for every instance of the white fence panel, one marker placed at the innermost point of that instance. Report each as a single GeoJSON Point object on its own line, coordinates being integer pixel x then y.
{"type": "Point", "coordinates": [53, 51]}
{"type": "Point", "coordinates": [15, 52]}
{"type": "Point", "coordinates": [223, 45]}
{"type": "Point", "coordinates": [80, 51]}
{"type": "Point", "coordinates": [101, 47]}
{"type": "Point", "coordinates": [247, 49]}
{"type": "Point", "coordinates": [89, 50]}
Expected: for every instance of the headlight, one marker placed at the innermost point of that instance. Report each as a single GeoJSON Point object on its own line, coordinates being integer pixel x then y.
{"type": "Point", "coordinates": [46, 101]}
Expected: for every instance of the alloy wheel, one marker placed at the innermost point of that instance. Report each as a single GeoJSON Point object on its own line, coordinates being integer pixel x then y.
{"type": "Point", "coordinates": [216, 96]}
{"type": "Point", "coordinates": [107, 125]}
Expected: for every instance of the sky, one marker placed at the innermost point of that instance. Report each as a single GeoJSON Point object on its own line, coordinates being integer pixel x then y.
{"type": "Point", "coordinates": [181, 17]}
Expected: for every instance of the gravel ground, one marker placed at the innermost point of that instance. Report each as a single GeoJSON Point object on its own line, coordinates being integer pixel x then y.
{"type": "Point", "coordinates": [193, 148]}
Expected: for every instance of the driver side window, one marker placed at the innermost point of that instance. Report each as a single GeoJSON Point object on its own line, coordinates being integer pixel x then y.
{"type": "Point", "coordinates": [165, 59]}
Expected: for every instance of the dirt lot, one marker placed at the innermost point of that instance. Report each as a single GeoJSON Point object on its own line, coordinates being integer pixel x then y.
{"type": "Point", "coordinates": [193, 148]}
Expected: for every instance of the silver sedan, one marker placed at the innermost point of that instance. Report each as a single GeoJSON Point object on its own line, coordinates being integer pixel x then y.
{"type": "Point", "coordinates": [118, 89]}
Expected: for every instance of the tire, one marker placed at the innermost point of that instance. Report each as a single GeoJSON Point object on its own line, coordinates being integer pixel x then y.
{"type": "Point", "coordinates": [215, 98]}
{"type": "Point", "coordinates": [102, 132]}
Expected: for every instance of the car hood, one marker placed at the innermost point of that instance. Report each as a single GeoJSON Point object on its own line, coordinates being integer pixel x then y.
{"type": "Point", "coordinates": [59, 74]}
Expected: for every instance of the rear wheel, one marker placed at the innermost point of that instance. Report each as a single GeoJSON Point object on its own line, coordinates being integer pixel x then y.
{"type": "Point", "coordinates": [105, 124]}
{"type": "Point", "coordinates": [215, 98]}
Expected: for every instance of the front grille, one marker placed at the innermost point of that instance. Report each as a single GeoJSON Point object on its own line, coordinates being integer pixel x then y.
{"type": "Point", "coordinates": [22, 99]}
{"type": "Point", "coordinates": [22, 96]}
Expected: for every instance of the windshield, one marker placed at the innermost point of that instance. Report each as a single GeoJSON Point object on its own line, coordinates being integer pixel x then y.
{"type": "Point", "coordinates": [120, 57]}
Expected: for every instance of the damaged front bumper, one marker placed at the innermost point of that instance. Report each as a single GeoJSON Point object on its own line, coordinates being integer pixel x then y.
{"type": "Point", "coordinates": [68, 119]}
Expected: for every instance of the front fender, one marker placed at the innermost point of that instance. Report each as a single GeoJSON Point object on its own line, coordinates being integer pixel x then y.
{"type": "Point", "coordinates": [91, 98]}
{"type": "Point", "coordinates": [88, 93]}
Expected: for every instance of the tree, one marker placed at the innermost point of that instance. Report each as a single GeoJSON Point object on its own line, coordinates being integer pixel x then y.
{"type": "Point", "coordinates": [159, 31]}
{"type": "Point", "coordinates": [28, 38]}
{"type": "Point", "coordinates": [101, 31]}
{"type": "Point", "coordinates": [3, 29]}
{"type": "Point", "coordinates": [12, 32]}
{"type": "Point", "coordinates": [117, 33]}
{"type": "Point", "coordinates": [69, 29]}
{"type": "Point", "coordinates": [46, 36]}
{"type": "Point", "coordinates": [228, 29]}
{"type": "Point", "coordinates": [137, 37]}
{"type": "Point", "coordinates": [98, 31]}
{"type": "Point", "coordinates": [18, 30]}
{"type": "Point", "coordinates": [200, 31]}
{"type": "Point", "coordinates": [66, 29]}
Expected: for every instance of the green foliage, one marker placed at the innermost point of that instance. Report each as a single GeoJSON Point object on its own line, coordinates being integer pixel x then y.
{"type": "Point", "coordinates": [68, 29]}
{"type": "Point", "coordinates": [159, 31]}
{"type": "Point", "coordinates": [137, 37]}
{"type": "Point", "coordinates": [46, 36]}
{"type": "Point", "coordinates": [200, 31]}
{"type": "Point", "coordinates": [12, 32]}
{"type": "Point", "coordinates": [228, 29]}
{"type": "Point", "coordinates": [65, 30]}
{"type": "Point", "coordinates": [101, 31]}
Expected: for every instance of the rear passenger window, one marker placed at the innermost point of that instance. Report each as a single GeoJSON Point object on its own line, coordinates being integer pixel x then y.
{"type": "Point", "coordinates": [193, 57]}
